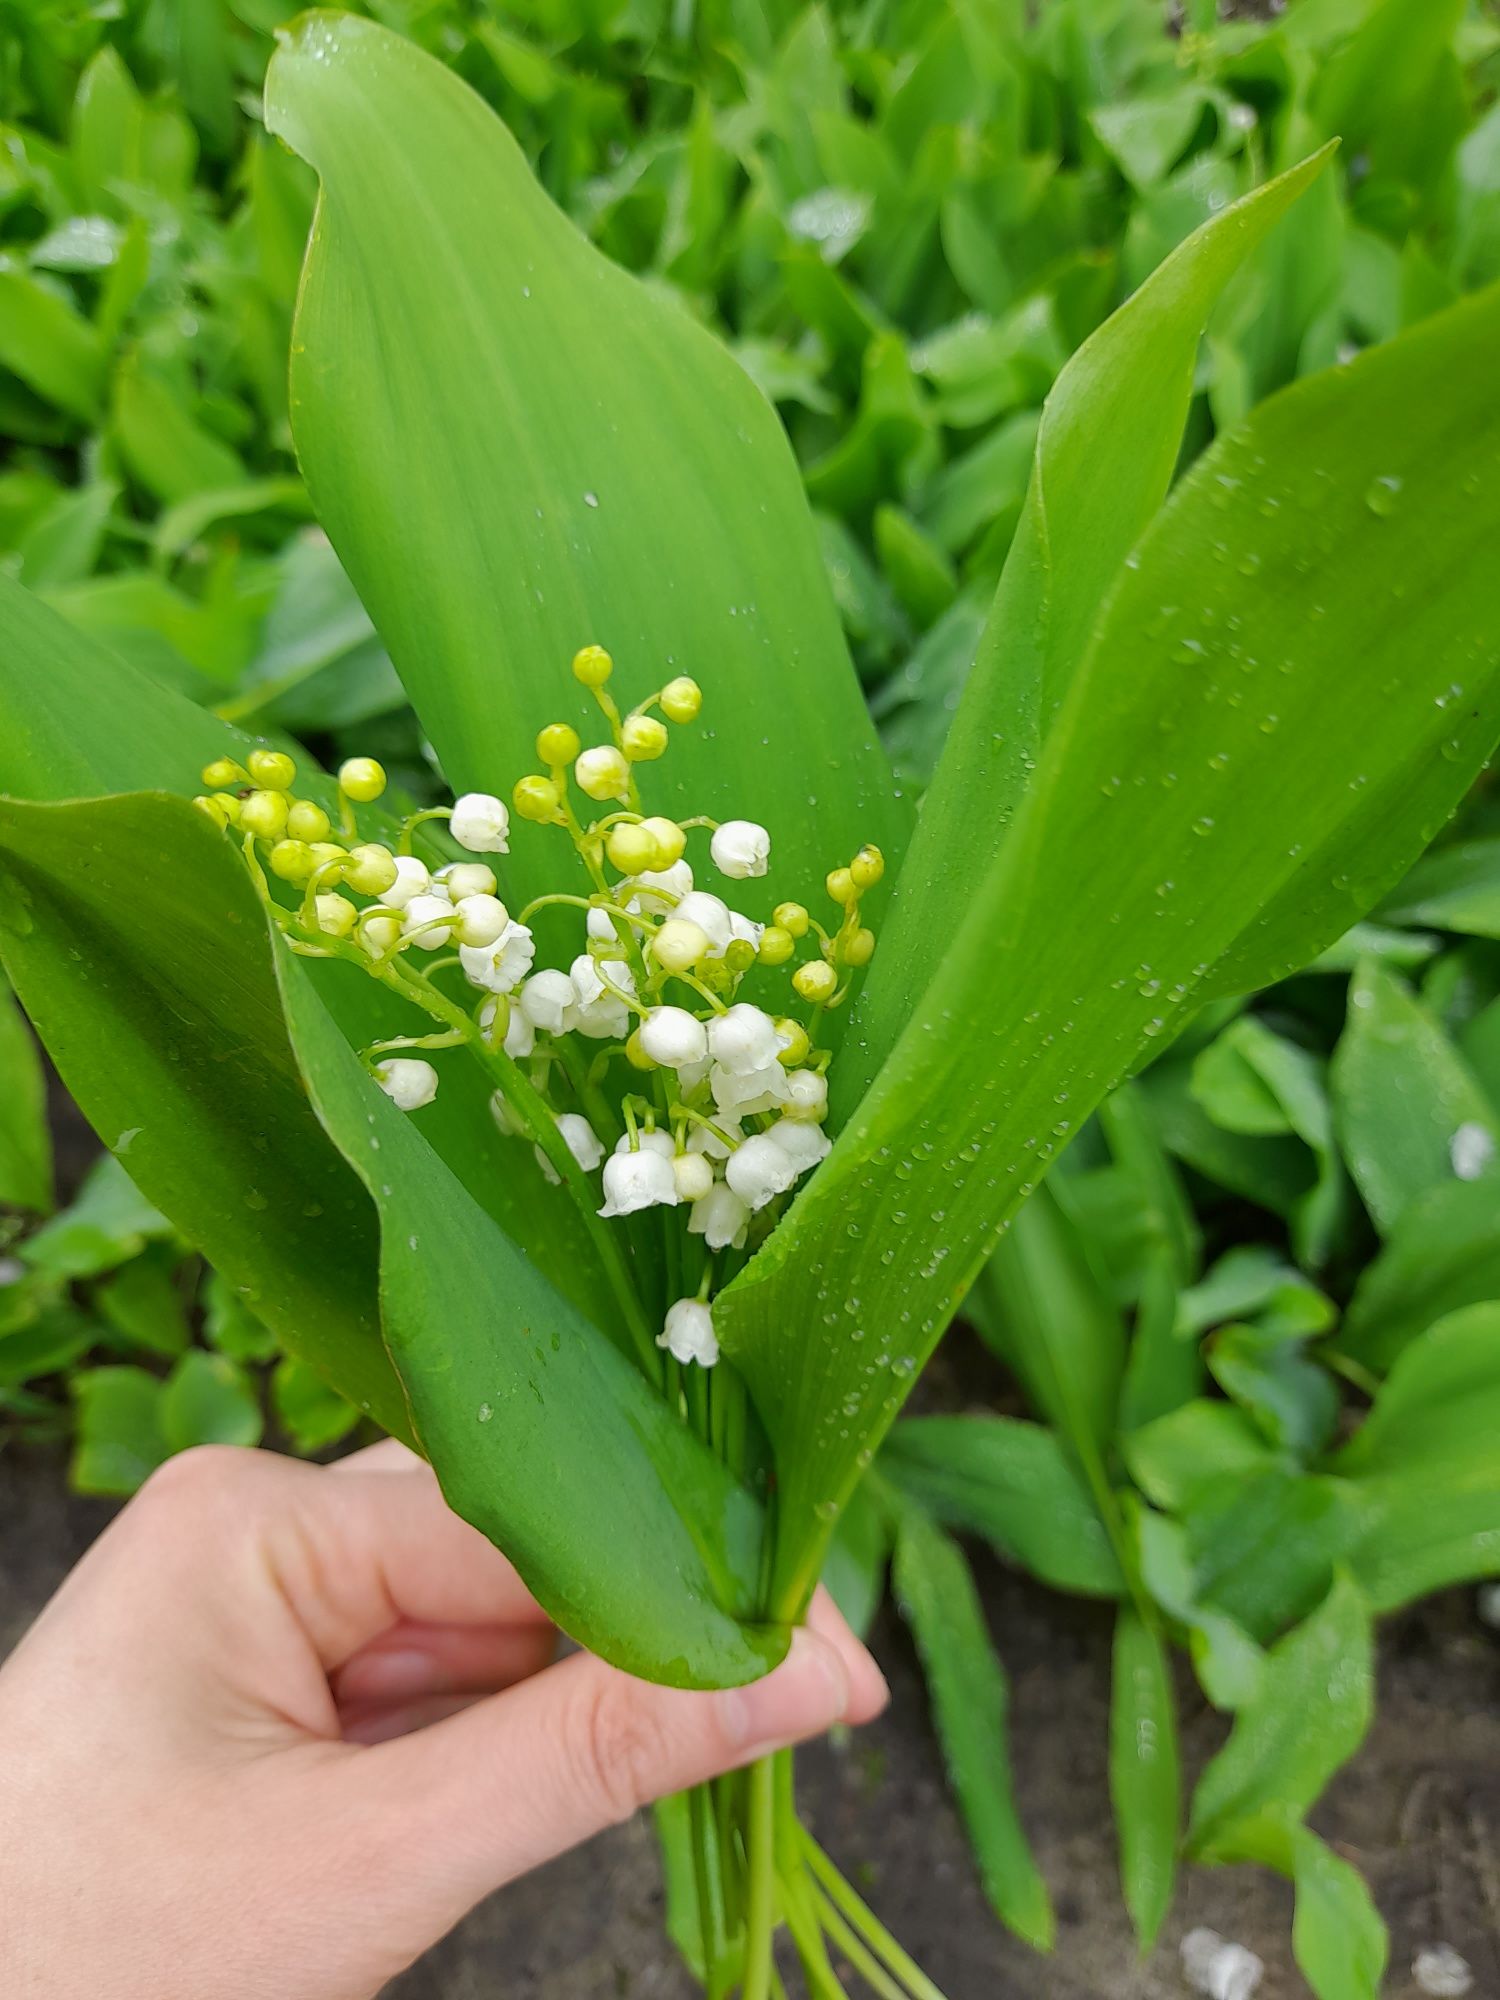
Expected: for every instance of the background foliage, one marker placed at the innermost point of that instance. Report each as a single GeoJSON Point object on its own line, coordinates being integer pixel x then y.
{"type": "Point", "coordinates": [1272, 1260]}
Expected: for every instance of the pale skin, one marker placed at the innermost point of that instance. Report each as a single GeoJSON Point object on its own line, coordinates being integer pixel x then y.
{"type": "Point", "coordinates": [283, 1726]}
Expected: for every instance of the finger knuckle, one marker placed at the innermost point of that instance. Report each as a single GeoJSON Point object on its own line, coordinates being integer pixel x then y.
{"type": "Point", "coordinates": [621, 1750]}
{"type": "Point", "coordinates": [192, 1483]}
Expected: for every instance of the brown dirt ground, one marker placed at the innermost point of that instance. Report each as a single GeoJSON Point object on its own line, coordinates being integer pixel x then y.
{"type": "Point", "coordinates": [1419, 1811]}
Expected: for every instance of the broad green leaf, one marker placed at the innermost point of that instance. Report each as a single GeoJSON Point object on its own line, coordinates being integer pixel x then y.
{"type": "Point", "coordinates": [1443, 1253]}
{"type": "Point", "coordinates": [107, 1223]}
{"type": "Point", "coordinates": [1215, 852]}
{"type": "Point", "coordinates": [1402, 1093]}
{"type": "Point", "coordinates": [312, 1415]}
{"type": "Point", "coordinates": [629, 487]}
{"type": "Point", "coordinates": [119, 1439]}
{"type": "Point", "coordinates": [25, 1140]}
{"type": "Point", "coordinates": [143, 1302]}
{"type": "Point", "coordinates": [970, 1696]}
{"type": "Point", "coordinates": [1100, 469]}
{"type": "Point", "coordinates": [175, 1047]}
{"type": "Point", "coordinates": [1309, 1717]}
{"type": "Point", "coordinates": [1455, 888]}
{"type": "Point", "coordinates": [626, 1528]}
{"type": "Point", "coordinates": [1179, 1454]}
{"type": "Point", "coordinates": [1227, 1661]}
{"type": "Point", "coordinates": [1276, 1173]}
{"type": "Point", "coordinates": [1265, 1544]}
{"type": "Point", "coordinates": [1426, 1463]}
{"type": "Point", "coordinates": [1145, 1781]}
{"type": "Point", "coordinates": [1042, 1306]}
{"type": "Point", "coordinates": [1012, 1483]}
{"type": "Point", "coordinates": [1283, 1390]}
{"type": "Point", "coordinates": [207, 1400]}
{"type": "Point", "coordinates": [49, 345]}
{"type": "Point", "coordinates": [1338, 1939]}
{"type": "Point", "coordinates": [167, 450]}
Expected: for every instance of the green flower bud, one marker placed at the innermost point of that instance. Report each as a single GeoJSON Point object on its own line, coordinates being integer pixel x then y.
{"type": "Point", "coordinates": [681, 700]}
{"type": "Point", "coordinates": [859, 949]}
{"type": "Point", "coordinates": [792, 918]}
{"type": "Point", "coordinates": [776, 945]}
{"type": "Point", "coordinates": [679, 944]}
{"type": "Point", "coordinates": [336, 914]}
{"type": "Point", "coordinates": [223, 771]}
{"type": "Point", "coordinates": [816, 980]}
{"type": "Point", "coordinates": [264, 815]}
{"type": "Point", "coordinates": [371, 868]}
{"type": "Point", "coordinates": [229, 803]}
{"type": "Point", "coordinates": [739, 954]}
{"type": "Point", "coordinates": [361, 779]}
{"type": "Point", "coordinates": [537, 798]}
{"type": "Point", "coordinates": [670, 841]}
{"type": "Point", "coordinates": [602, 773]}
{"type": "Point", "coordinates": [292, 860]}
{"type": "Point", "coordinates": [840, 885]}
{"type": "Point", "coordinates": [325, 851]}
{"type": "Point", "coordinates": [213, 808]}
{"type": "Point", "coordinates": [558, 743]}
{"type": "Point", "coordinates": [305, 821]}
{"type": "Point", "coordinates": [635, 1053]}
{"type": "Point", "coordinates": [643, 738]}
{"type": "Point", "coordinates": [794, 1042]}
{"type": "Point", "coordinates": [272, 770]}
{"type": "Point", "coordinates": [630, 848]}
{"type": "Point", "coordinates": [867, 867]}
{"type": "Point", "coordinates": [593, 666]}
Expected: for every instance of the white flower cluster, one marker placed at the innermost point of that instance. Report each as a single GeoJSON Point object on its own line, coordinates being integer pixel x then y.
{"type": "Point", "coordinates": [640, 1061]}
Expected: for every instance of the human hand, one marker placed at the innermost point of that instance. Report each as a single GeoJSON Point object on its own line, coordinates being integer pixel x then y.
{"type": "Point", "coordinates": [283, 1726]}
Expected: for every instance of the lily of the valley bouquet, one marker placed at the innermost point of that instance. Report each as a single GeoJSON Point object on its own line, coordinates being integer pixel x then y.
{"type": "Point", "coordinates": [626, 1132]}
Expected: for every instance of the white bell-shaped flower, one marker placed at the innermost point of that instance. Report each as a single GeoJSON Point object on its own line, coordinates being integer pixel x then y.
{"type": "Point", "coordinates": [673, 1037]}
{"type": "Point", "coordinates": [520, 1035]}
{"type": "Point", "coordinates": [583, 1141]}
{"type": "Point", "coordinates": [711, 915]}
{"type": "Point", "coordinates": [407, 1081]}
{"type": "Point", "coordinates": [655, 891]}
{"type": "Point", "coordinates": [412, 879]}
{"type": "Point", "coordinates": [504, 1117]}
{"type": "Point", "coordinates": [380, 935]}
{"type": "Point", "coordinates": [642, 1179]}
{"type": "Point", "coordinates": [759, 1170]}
{"type": "Point", "coordinates": [806, 1095]}
{"type": "Point", "coordinates": [658, 1142]}
{"type": "Point", "coordinates": [481, 919]}
{"type": "Point", "coordinates": [739, 1096]}
{"type": "Point", "coordinates": [741, 849]}
{"type": "Point", "coordinates": [803, 1143]}
{"type": "Point", "coordinates": [499, 967]}
{"type": "Point", "coordinates": [428, 921]}
{"type": "Point", "coordinates": [602, 934]}
{"type": "Point", "coordinates": [549, 1002]}
{"type": "Point", "coordinates": [481, 822]}
{"type": "Point", "coordinates": [712, 1147]}
{"type": "Point", "coordinates": [592, 983]}
{"type": "Point", "coordinates": [746, 929]}
{"type": "Point", "coordinates": [688, 1334]}
{"type": "Point", "coordinates": [693, 1174]}
{"type": "Point", "coordinates": [743, 1039]}
{"type": "Point", "coordinates": [720, 1218]}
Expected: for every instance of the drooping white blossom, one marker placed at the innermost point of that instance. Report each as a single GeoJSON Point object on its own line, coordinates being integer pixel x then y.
{"type": "Point", "coordinates": [465, 878]}
{"type": "Point", "coordinates": [740, 1095]}
{"type": "Point", "coordinates": [720, 1218]}
{"type": "Point", "coordinates": [412, 879]}
{"type": "Point", "coordinates": [499, 967]}
{"type": "Point", "coordinates": [711, 915]}
{"type": "Point", "coordinates": [688, 1334]}
{"type": "Point", "coordinates": [520, 1034]}
{"type": "Point", "coordinates": [674, 1038]}
{"type": "Point", "coordinates": [642, 1179]}
{"type": "Point", "coordinates": [656, 891]}
{"type": "Point", "coordinates": [803, 1143]}
{"type": "Point", "coordinates": [481, 822]}
{"type": "Point", "coordinates": [806, 1095]}
{"type": "Point", "coordinates": [550, 1002]}
{"type": "Point", "coordinates": [741, 849]}
{"type": "Point", "coordinates": [582, 1142]}
{"type": "Point", "coordinates": [407, 1081]}
{"type": "Point", "coordinates": [482, 919]}
{"type": "Point", "coordinates": [743, 1039]}
{"type": "Point", "coordinates": [427, 922]}
{"type": "Point", "coordinates": [759, 1170]}
{"type": "Point", "coordinates": [693, 1174]}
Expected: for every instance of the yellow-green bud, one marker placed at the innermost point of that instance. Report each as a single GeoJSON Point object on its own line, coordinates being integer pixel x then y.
{"type": "Point", "coordinates": [630, 848]}
{"type": "Point", "coordinates": [816, 980]}
{"type": "Point", "coordinates": [693, 1174]}
{"type": "Point", "coordinates": [292, 860]}
{"type": "Point", "coordinates": [859, 949]}
{"type": "Point", "coordinates": [739, 954]}
{"type": "Point", "coordinates": [681, 700]}
{"type": "Point", "coordinates": [380, 935]}
{"type": "Point", "coordinates": [792, 918]}
{"type": "Point", "coordinates": [795, 1044]}
{"type": "Point", "coordinates": [221, 772]}
{"type": "Point", "coordinates": [635, 1053]}
{"type": "Point", "coordinates": [867, 867]}
{"type": "Point", "coordinates": [272, 770]}
{"type": "Point", "coordinates": [840, 885]}
{"type": "Point", "coordinates": [371, 868]}
{"type": "Point", "coordinates": [336, 914]}
{"type": "Point", "coordinates": [229, 803]}
{"type": "Point", "coordinates": [593, 666]}
{"type": "Point", "coordinates": [643, 738]}
{"type": "Point", "coordinates": [305, 821]}
{"type": "Point", "coordinates": [213, 808]}
{"type": "Point", "coordinates": [679, 944]}
{"type": "Point", "coordinates": [558, 743]}
{"type": "Point", "coordinates": [669, 838]}
{"type": "Point", "coordinates": [361, 779]}
{"type": "Point", "coordinates": [776, 945]}
{"type": "Point", "coordinates": [326, 851]}
{"type": "Point", "coordinates": [536, 798]}
{"type": "Point", "coordinates": [264, 815]}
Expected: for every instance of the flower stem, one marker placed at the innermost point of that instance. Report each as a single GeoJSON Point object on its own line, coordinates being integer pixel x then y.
{"type": "Point", "coordinates": [760, 1901]}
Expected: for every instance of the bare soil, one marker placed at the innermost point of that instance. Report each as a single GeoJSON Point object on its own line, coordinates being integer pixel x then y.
{"type": "Point", "coordinates": [1419, 1812]}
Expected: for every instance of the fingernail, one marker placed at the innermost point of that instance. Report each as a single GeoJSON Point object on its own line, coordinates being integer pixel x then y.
{"type": "Point", "coordinates": [809, 1691]}
{"type": "Point", "coordinates": [389, 1676]}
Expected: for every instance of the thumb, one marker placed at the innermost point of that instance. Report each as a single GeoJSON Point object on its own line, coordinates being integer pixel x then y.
{"type": "Point", "coordinates": [481, 1797]}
